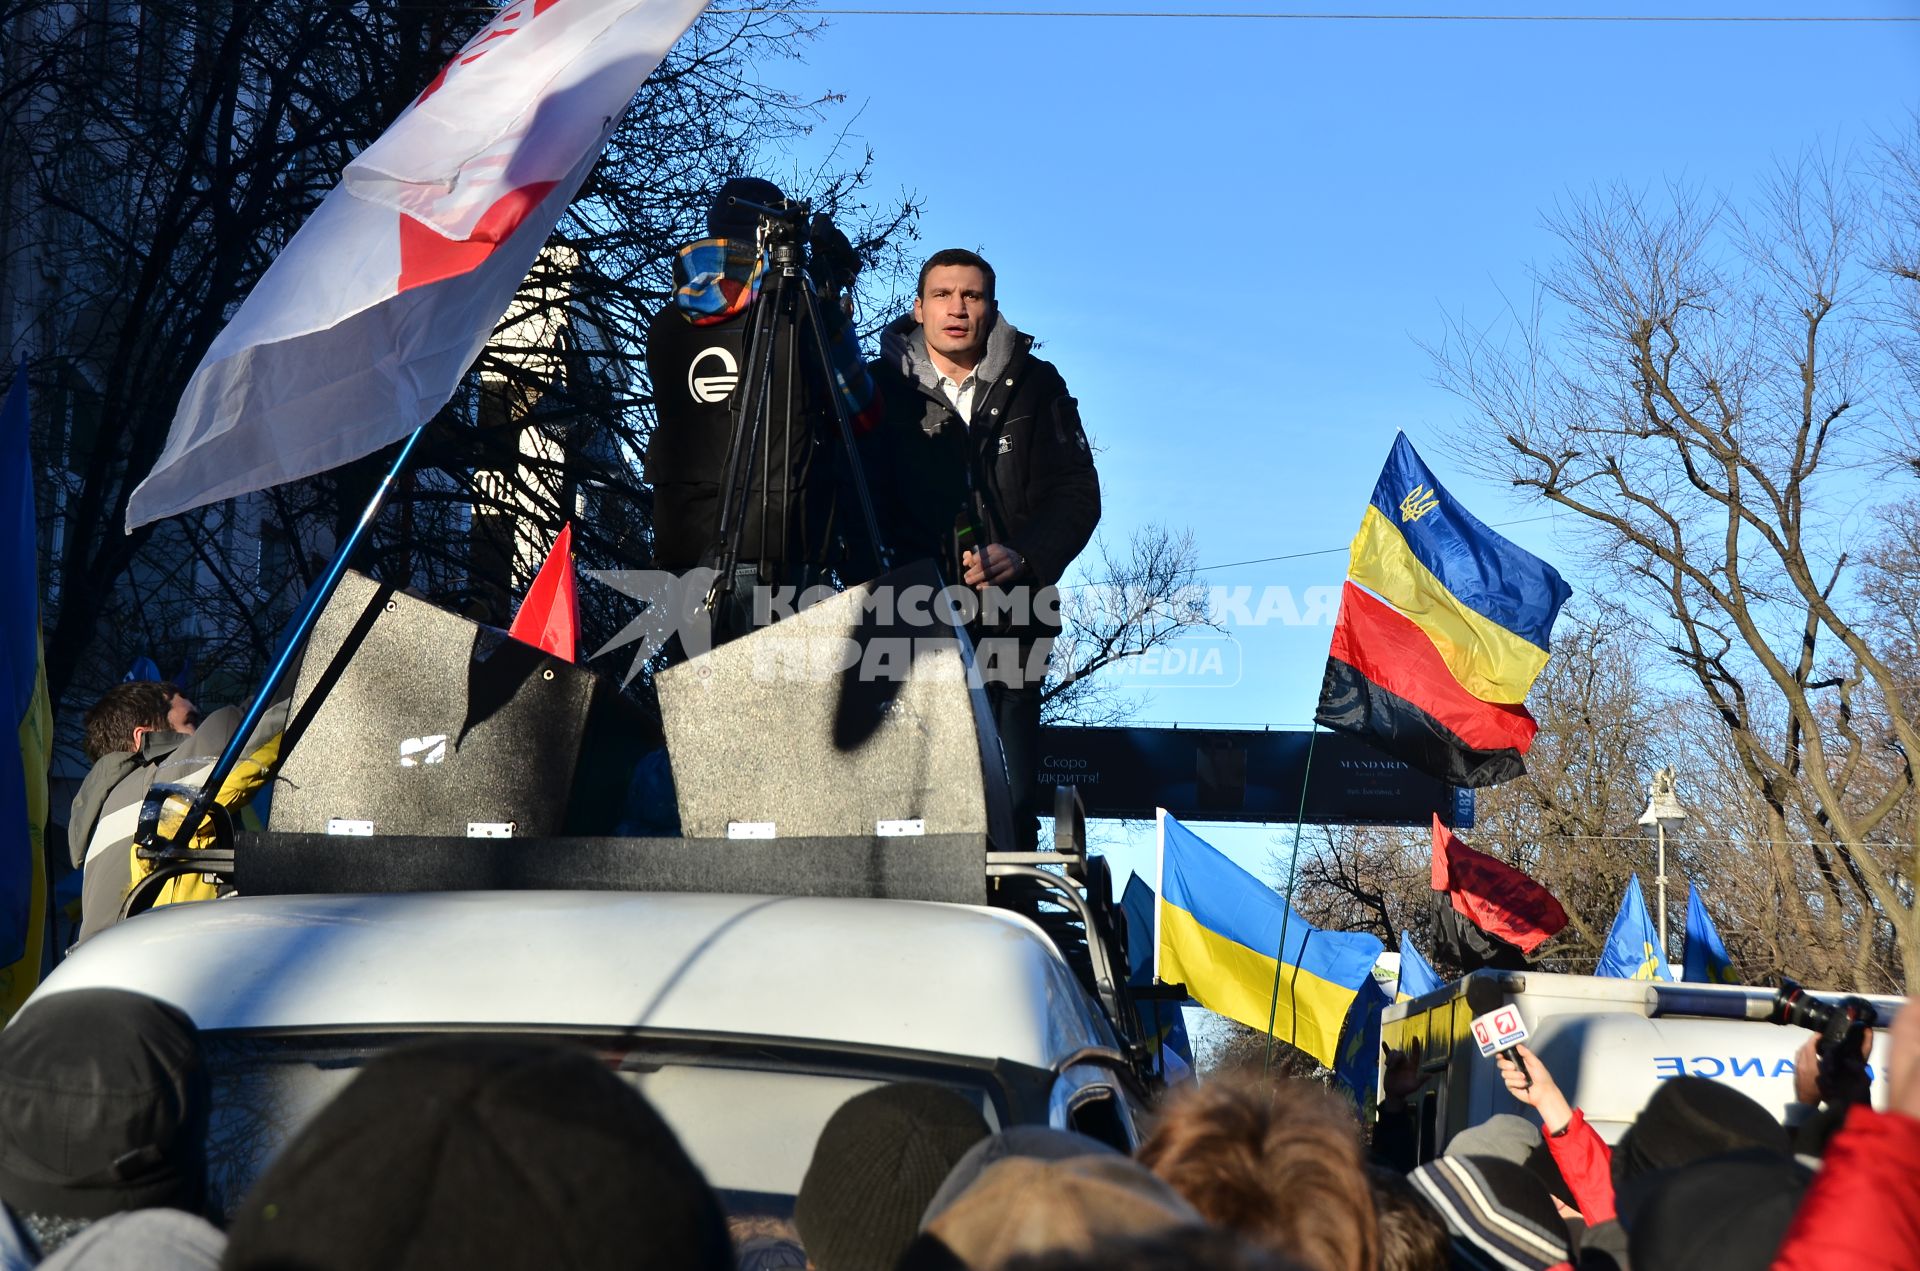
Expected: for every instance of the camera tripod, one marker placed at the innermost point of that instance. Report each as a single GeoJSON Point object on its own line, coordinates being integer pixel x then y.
{"type": "Point", "coordinates": [786, 314]}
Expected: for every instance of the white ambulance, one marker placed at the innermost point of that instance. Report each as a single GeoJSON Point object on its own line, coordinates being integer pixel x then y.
{"type": "Point", "coordinates": [1609, 1043]}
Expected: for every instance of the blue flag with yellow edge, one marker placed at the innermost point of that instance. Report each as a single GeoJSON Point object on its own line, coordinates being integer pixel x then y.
{"type": "Point", "coordinates": [1219, 932]}
{"type": "Point", "coordinates": [1633, 949]}
{"type": "Point", "coordinates": [28, 719]}
{"type": "Point", "coordinates": [1417, 976]}
{"type": "Point", "coordinates": [1704, 960]}
{"type": "Point", "coordinates": [1162, 1020]}
{"type": "Point", "coordinates": [1487, 605]}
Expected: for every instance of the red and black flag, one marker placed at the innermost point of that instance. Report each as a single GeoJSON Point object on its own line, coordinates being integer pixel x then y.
{"type": "Point", "coordinates": [1443, 627]}
{"type": "Point", "coordinates": [1494, 899]}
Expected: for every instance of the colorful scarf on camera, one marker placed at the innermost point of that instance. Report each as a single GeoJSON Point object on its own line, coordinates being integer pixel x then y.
{"type": "Point", "coordinates": [717, 279]}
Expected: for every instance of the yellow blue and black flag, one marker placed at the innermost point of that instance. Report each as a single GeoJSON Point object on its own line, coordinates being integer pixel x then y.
{"type": "Point", "coordinates": [1443, 627]}
{"type": "Point", "coordinates": [1219, 931]}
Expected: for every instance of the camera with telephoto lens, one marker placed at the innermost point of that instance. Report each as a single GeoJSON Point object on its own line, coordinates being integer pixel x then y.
{"type": "Point", "coordinates": [1842, 1024]}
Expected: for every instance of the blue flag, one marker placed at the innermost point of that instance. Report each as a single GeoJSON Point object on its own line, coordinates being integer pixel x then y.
{"type": "Point", "coordinates": [1162, 1020]}
{"type": "Point", "coordinates": [1358, 1064]}
{"type": "Point", "coordinates": [143, 671]}
{"type": "Point", "coordinates": [1705, 960]}
{"type": "Point", "coordinates": [1633, 949]}
{"type": "Point", "coordinates": [1417, 977]}
{"type": "Point", "coordinates": [26, 721]}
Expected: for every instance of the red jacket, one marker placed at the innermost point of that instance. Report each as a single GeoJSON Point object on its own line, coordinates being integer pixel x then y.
{"type": "Point", "coordinates": [1586, 1163]}
{"type": "Point", "coordinates": [1863, 1209]}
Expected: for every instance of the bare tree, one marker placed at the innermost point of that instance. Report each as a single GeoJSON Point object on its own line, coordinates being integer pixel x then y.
{"type": "Point", "coordinates": [157, 157]}
{"type": "Point", "coordinates": [1126, 609]}
{"type": "Point", "coordinates": [1706, 388]}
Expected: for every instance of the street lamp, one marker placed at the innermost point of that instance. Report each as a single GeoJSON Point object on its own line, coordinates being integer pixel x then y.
{"type": "Point", "coordinates": [1663, 809]}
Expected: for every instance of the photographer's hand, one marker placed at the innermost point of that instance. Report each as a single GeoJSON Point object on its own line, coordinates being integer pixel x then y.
{"type": "Point", "coordinates": [1002, 565]}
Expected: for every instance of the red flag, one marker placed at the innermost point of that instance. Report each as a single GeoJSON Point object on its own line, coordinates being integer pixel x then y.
{"type": "Point", "coordinates": [549, 617]}
{"type": "Point", "coordinates": [1492, 895]}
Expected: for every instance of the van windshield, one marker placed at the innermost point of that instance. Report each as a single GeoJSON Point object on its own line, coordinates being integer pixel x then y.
{"type": "Point", "coordinates": [747, 1113]}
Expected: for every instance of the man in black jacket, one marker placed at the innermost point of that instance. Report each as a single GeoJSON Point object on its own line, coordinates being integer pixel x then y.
{"type": "Point", "coordinates": [988, 471]}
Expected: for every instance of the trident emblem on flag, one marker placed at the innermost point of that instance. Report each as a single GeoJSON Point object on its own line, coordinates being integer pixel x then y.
{"type": "Point", "coordinates": [1419, 501]}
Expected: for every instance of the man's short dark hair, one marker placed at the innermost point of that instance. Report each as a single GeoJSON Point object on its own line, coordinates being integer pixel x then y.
{"type": "Point", "coordinates": [954, 256]}
{"type": "Point", "coordinates": [110, 723]}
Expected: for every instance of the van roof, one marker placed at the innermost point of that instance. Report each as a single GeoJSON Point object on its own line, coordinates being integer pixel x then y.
{"type": "Point", "coordinates": [938, 978]}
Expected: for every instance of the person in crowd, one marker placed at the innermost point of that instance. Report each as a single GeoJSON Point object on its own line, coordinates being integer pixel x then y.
{"type": "Point", "coordinates": [1728, 1212]}
{"type": "Point", "coordinates": [103, 1111]}
{"type": "Point", "coordinates": [1498, 1215]}
{"type": "Point", "coordinates": [1278, 1162]}
{"type": "Point", "coordinates": [1036, 1142]}
{"type": "Point", "coordinates": [145, 734]}
{"type": "Point", "coordinates": [1184, 1249]}
{"type": "Point", "coordinates": [1689, 1118]}
{"type": "Point", "coordinates": [797, 516]}
{"type": "Point", "coordinates": [1862, 1211]}
{"type": "Point", "coordinates": [1023, 1205]}
{"type": "Point", "coordinates": [1412, 1236]}
{"type": "Point", "coordinates": [1579, 1155]}
{"type": "Point", "coordinates": [483, 1152]}
{"type": "Point", "coordinates": [879, 1161]}
{"type": "Point", "coordinates": [990, 475]}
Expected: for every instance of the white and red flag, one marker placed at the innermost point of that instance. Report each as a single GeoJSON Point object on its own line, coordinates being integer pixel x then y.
{"type": "Point", "coordinates": [362, 327]}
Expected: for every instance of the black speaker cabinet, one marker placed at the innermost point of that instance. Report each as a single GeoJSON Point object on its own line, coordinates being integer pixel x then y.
{"type": "Point", "coordinates": [408, 719]}
{"type": "Point", "coordinates": [856, 717]}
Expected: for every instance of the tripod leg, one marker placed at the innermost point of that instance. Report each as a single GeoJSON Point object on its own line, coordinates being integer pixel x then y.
{"type": "Point", "coordinates": [811, 311]}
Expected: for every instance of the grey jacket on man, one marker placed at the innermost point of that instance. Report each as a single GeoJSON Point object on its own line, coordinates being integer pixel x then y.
{"type": "Point", "coordinates": [106, 811]}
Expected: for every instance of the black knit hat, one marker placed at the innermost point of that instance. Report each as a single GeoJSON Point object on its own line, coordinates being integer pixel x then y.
{"type": "Point", "coordinates": [1690, 1117]}
{"type": "Point", "coordinates": [1728, 1212]}
{"type": "Point", "coordinates": [103, 1106]}
{"type": "Point", "coordinates": [881, 1157]}
{"type": "Point", "coordinates": [1498, 1215]}
{"type": "Point", "coordinates": [483, 1152]}
{"type": "Point", "coordinates": [725, 220]}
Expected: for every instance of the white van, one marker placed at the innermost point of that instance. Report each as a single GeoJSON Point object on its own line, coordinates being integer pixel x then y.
{"type": "Point", "coordinates": [1607, 1042]}
{"type": "Point", "coordinates": [746, 1020]}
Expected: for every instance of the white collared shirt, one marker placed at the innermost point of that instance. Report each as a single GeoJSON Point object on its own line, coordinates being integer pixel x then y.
{"type": "Point", "coordinates": [961, 394]}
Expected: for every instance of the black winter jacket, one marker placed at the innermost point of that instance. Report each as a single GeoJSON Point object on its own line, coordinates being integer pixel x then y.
{"type": "Point", "coordinates": [1023, 467]}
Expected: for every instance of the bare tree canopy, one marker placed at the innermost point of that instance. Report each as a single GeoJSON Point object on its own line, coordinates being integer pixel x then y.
{"type": "Point", "coordinates": [1720, 394]}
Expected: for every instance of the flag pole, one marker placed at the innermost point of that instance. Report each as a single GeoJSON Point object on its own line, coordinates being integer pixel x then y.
{"type": "Point", "coordinates": [291, 641]}
{"type": "Point", "coordinates": [1293, 865]}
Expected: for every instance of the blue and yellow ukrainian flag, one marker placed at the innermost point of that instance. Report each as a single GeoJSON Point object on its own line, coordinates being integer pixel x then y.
{"type": "Point", "coordinates": [1417, 976]}
{"type": "Point", "coordinates": [28, 719]}
{"type": "Point", "coordinates": [1487, 605]}
{"type": "Point", "coordinates": [1704, 960]}
{"type": "Point", "coordinates": [1633, 949]}
{"type": "Point", "coordinates": [1219, 933]}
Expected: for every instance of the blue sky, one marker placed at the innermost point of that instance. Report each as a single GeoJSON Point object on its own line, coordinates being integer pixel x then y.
{"type": "Point", "coordinates": [1232, 236]}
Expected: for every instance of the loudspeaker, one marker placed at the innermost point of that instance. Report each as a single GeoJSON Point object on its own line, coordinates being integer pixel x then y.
{"type": "Point", "coordinates": [407, 719]}
{"type": "Point", "coordinates": [859, 716]}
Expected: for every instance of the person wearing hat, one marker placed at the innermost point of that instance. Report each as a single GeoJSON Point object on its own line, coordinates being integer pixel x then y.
{"type": "Point", "coordinates": [103, 1110]}
{"type": "Point", "coordinates": [697, 355]}
{"type": "Point", "coordinates": [1578, 1154]}
{"type": "Point", "coordinates": [463, 1153]}
{"type": "Point", "coordinates": [878, 1164]}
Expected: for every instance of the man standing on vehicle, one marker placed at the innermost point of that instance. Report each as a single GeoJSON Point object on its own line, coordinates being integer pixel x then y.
{"type": "Point", "coordinates": [989, 473]}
